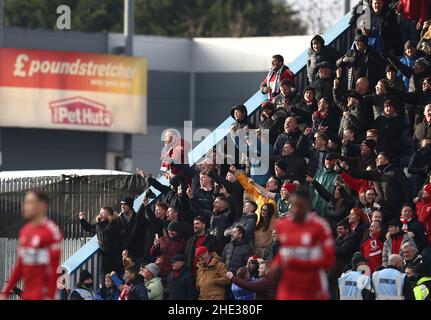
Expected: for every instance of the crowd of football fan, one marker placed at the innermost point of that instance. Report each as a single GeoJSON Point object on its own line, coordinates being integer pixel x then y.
{"type": "Point", "coordinates": [359, 136]}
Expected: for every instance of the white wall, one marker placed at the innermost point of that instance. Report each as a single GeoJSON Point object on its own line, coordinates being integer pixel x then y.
{"type": "Point", "coordinates": [213, 54]}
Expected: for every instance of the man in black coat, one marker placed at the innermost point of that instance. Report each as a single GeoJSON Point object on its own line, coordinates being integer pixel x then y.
{"type": "Point", "coordinates": [295, 165]}
{"type": "Point", "coordinates": [237, 251]}
{"type": "Point", "coordinates": [345, 246]}
{"type": "Point", "coordinates": [291, 133]}
{"type": "Point", "coordinates": [180, 283]}
{"type": "Point", "coordinates": [201, 237]}
{"type": "Point", "coordinates": [110, 233]}
{"type": "Point", "coordinates": [233, 188]}
{"type": "Point", "coordinates": [135, 230]}
{"type": "Point", "coordinates": [390, 127]}
{"type": "Point", "coordinates": [390, 182]}
{"type": "Point", "coordinates": [322, 85]}
{"type": "Point", "coordinates": [362, 61]}
{"type": "Point", "coordinates": [420, 165]}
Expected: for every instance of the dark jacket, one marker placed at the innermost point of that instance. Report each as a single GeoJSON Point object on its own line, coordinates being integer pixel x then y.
{"type": "Point", "coordinates": [205, 198]}
{"type": "Point", "coordinates": [391, 185]}
{"type": "Point", "coordinates": [135, 234]}
{"type": "Point", "coordinates": [210, 242]}
{"type": "Point", "coordinates": [138, 291]}
{"type": "Point", "coordinates": [337, 211]}
{"type": "Point", "coordinates": [326, 53]}
{"type": "Point", "coordinates": [248, 222]}
{"type": "Point", "coordinates": [109, 234]}
{"type": "Point", "coordinates": [419, 231]}
{"type": "Point", "coordinates": [296, 167]}
{"type": "Point", "coordinates": [422, 131]}
{"type": "Point", "coordinates": [236, 254]}
{"type": "Point", "coordinates": [234, 189]}
{"type": "Point", "coordinates": [296, 137]}
{"type": "Point", "coordinates": [315, 157]}
{"type": "Point", "coordinates": [180, 285]}
{"type": "Point", "coordinates": [303, 112]}
{"type": "Point", "coordinates": [388, 28]}
{"type": "Point", "coordinates": [390, 130]}
{"type": "Point", "coordinates": [323, 88]}
{"type": "Point", "coordinates": [368, 64]}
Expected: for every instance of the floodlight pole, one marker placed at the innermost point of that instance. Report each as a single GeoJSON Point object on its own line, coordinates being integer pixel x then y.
{"type": "Point", "coordinates": [129, 31]}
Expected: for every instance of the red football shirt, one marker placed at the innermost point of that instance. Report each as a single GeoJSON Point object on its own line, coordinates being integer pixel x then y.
{"type": "Point", "coordinates": [39, 255]}
{"type": "Point", "coordinates": [306, 251]}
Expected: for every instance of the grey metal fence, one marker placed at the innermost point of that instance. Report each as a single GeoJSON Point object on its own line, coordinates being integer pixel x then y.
{"type": "Point", "coordinates": [8, 256]}
{"type": "Point", "coordinates": [69, 195]}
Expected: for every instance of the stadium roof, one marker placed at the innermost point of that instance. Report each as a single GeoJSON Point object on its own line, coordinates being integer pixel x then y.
{"type": "Point", "coordinates": [54, 173]}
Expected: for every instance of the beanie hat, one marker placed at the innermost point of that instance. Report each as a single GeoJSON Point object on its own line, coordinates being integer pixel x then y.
{"type": "Point", "coordinates": [174, 226]}
{"type": "Point", "coordinates": [281, 164]}
{"type": "Point", "coordinates": [176, 180]}
{"type": "Point", "coordinates": [201, 250]}
{"type": "Point", "coordinates": [355, 95]}
{"type": "Point", "coordinates": [357, 258]}
{"type": "Point", "coordinates": [390, 68]}
{"type": "Point", "coordinates": [370, 143]}
{"type": "Point", "coordinates": [84, 275]}
{"type": "Point", "coordinates": [427, 188]}
{"type": "Point", "coordinates": [127, 201]}
{"type": "Point", "coordinates": [153, 268]}
{"type": "Point", "coordinates": [409, 44]}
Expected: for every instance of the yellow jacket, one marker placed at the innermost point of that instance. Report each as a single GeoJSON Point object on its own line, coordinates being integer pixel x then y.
{"type": "Point", "coordinates": [254, 194]}
{"type": "Point", "coordinates": [211, 280]}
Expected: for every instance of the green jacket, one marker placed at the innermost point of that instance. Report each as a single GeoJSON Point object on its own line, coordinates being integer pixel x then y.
{"type": "Point", "coordinates": [154, 288]}
{"type": "Point", "coordinates": [422, 290]}
{"type": "Point", "coordinates": [327, 179]}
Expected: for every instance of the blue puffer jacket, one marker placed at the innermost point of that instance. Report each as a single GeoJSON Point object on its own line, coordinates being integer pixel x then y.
{"type": "Point", "coordinates": [242, 294]}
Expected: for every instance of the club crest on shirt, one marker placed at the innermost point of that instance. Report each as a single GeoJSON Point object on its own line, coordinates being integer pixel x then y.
{"type": "Point", "coordinates": [305, 239]}
{"type": "Point", "coordinates": [35, 241]}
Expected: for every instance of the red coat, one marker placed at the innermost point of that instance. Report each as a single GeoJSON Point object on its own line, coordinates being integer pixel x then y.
{"type": "Point", "coordinates": [167, 249]}
{"type": "Point", "coordinates": [306, 251]}
{"type": "Point", "coordinates": [358, 185]}
{"type": "Point", "coordinates": [286, 74]}
{"type": "Point", "coordinates": [423, 211]}
{"type": "Point", "coordinates": [372, 249]}
{"type": "Point", "coordinates": [413, 9]}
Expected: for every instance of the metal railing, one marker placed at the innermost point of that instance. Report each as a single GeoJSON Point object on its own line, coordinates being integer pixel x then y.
{"type": "Point", "coordinates": [340, 37]}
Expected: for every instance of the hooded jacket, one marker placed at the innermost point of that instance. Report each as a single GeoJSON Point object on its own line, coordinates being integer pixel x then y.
{"type": "Point", "coordinates": [211, 279]}
{"type": "Point", "coordinates": [326, 53]}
